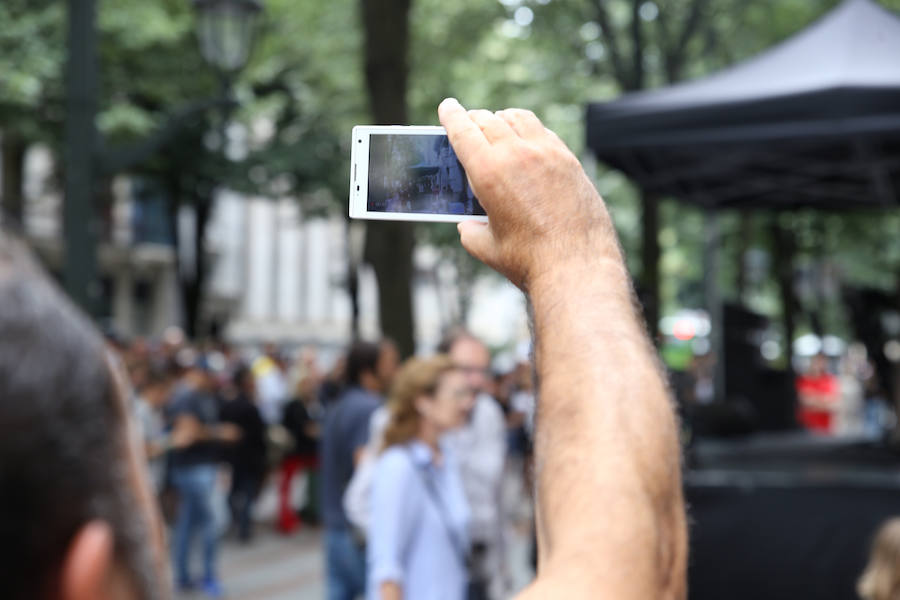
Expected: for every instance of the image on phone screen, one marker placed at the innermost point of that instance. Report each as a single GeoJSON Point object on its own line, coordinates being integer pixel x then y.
{"type": "Point", "coordinates": [417, 174]}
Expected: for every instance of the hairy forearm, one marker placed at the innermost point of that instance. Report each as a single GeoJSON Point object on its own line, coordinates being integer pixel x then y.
{"type": "Point", "coordinates": [608, 462]}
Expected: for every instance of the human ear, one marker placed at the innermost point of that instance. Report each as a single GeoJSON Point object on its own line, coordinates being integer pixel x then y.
{"type": "Point", "coordinates": [87, 566]}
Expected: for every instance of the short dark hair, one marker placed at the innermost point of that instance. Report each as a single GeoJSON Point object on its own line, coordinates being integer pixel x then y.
{"type": "Point", "coordinates": [63, 436]}
{"type": "Point", "coordinates": [361, 357]}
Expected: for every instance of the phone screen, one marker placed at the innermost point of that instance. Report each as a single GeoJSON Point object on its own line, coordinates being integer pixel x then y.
{"type": "Point", "coordinates": [417, 174]}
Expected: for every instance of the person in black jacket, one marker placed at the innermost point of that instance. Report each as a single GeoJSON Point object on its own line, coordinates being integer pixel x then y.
{"type": "Point", "coordinates": [248, 456]}
{"type": "Point", "coordinates": [301, 419]}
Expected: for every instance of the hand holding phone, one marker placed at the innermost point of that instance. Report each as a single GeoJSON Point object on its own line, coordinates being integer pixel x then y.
{"type": "Point", "coordinates": [402, 173]}
{"type": "Point", "coordinates": [544, 211]}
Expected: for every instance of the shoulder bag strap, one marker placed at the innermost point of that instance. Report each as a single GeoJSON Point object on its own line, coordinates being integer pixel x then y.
{"type": "Point", "coordinates": [458, 545]}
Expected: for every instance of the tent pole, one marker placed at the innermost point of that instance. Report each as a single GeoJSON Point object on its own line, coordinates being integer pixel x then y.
{"type": "Point", "coordinates": [711, 249]}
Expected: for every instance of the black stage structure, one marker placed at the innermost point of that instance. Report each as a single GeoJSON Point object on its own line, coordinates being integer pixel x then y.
{"type": "Point", "coordinates": [813, 122]}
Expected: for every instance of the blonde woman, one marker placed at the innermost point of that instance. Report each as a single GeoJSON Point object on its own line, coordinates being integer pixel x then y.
{"type": "Point", "coordinates": [881, 579]}
{"type": "Point", "coordinates": [417, 540]}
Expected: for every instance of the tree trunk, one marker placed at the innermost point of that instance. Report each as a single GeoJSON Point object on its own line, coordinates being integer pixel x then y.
{"type": "Point", "coordinates": [465, 284]}
{"type": "Point", "coordinates": [389, 246]}
{"type": "Point", "coordinates": [650, 262]}
{"type": "Point", "coordinates": [389, 249]}
{"type": "Point", "coordinates": [194, 288]}
{"type": "Point", "coordinates": [352, 280]}
{"type": "Point", "coordinates": [13, 150]}
{"type": "Point", "coordinates": [173, 204]}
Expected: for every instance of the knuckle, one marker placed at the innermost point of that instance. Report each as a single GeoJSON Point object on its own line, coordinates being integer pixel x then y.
{"type": "Point", "coordinates": [529, 155]}
{"type": "Point", "coordinates": [526, 114]}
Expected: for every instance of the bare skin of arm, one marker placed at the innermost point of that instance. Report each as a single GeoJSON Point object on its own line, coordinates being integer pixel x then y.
{"type": "Point", "coordinates": [611, 517]}
{"type": "Point", "coordinates": [188, 429]}
{"type": "Point", "coordinates": [391, 591]}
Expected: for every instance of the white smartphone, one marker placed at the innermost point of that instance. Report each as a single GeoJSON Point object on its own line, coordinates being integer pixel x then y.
{"type": "Point", "coordinates": [408, 173]}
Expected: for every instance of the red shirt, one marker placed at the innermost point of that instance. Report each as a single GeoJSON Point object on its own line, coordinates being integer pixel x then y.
{"type": "Point", "coordinates": [824, 387]}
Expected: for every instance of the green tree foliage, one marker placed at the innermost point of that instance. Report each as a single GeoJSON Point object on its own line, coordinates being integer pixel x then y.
{"type": "Point", "coordinates": [304, 89]}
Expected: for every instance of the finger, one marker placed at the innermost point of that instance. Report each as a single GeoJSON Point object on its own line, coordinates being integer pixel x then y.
{"type": "Point", "coordinates": [466, 137]}
{"type": "Point", "coordinates": [477, 239]}
{"type": "Point", "coordinates": [523, 122]}
{"type": "Point", "coordinates": [495, 129]}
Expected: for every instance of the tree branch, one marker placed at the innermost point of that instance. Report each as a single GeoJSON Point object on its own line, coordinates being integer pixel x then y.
{"type": "Point", "coordinates": [637, 47]}
{"type": "Point", "coordinates": [121, 157]}
{"type": "Point", "coordinates": [611, 41]}
{"type": "Point", "coordinates": [675, 58]}
{"type": "Point", "coordinates": [664, 34]}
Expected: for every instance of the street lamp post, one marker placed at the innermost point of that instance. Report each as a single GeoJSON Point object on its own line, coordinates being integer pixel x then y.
{"type": "Point", "coordinates": [225, 30]}
{"type": "Point", "coordinates": [79, 270]}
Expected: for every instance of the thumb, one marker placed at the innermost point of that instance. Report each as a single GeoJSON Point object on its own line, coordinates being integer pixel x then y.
{"type": "Point", "coordinates": [477, 239]}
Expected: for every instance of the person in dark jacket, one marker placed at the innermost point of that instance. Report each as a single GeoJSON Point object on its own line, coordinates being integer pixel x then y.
{"type": "Point", "coordinates": [247, 456]}
{"type": "Point", "coordinates": [301, 419]}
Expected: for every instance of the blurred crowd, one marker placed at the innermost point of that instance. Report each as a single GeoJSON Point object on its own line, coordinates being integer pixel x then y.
{"type": "Point", "coordinates": [223, 426]}
{"type": "Point", "coordinates": [417, 473]}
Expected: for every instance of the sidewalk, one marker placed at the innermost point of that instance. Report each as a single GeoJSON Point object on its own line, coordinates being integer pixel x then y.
{"type": "Point", "coordinates": [272, 567]}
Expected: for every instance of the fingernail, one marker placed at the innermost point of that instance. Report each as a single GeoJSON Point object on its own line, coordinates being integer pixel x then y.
{"type": "Point", "coordinates": [450, 101]}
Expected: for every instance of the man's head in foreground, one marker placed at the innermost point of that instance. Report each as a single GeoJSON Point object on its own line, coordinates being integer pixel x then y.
{"type": "Point", "coordinates": [76, 516]}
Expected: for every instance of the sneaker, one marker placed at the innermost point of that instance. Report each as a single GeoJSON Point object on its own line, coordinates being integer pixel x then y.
{"type": "Point", "coordinates": [213, 589]}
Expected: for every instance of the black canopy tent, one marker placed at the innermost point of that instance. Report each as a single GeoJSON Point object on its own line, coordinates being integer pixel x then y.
{"type": "Point", "coordinates": [814, 121]}
{"type": "Point", "coordinates": [811, 122]}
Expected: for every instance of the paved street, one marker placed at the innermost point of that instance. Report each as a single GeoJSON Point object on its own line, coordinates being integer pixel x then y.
{"type": "Point", "coordinates": [277, 567]}
{"type": "Point", "coordinates": [272, 567]}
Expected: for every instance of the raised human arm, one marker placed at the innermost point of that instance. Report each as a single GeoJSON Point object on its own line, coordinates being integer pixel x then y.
{"type": "Point", "coordinates": [611, 520]}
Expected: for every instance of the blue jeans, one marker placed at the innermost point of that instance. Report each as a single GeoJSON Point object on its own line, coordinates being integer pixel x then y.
{"type": "Point", "coordinates": [195, 485]}
{"type": "Point", "coordinates": [346, 565]}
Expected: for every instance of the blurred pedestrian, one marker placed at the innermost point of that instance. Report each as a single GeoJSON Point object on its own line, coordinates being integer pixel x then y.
{"type": "Point", "coordinates": [301, 419]}
{"type": "Point", "coordinates": [271, 384]}
{"type": "Point", "coordinates": [819, 396]}
{"type": "Point", "coordinates": [369, 371]}
{"type": "Point", "coordinates": [481, 448]}
{"type": "Point", "coordinates": [332, 382]}
{"type": "Point", "coordinates": [247, 456]}
{"type": "Point", "coordinates": [418, 540]}
{"type": "Point", "coordinates": [881, 578]}
{"type": "Point", "coordinates": [153, 397]}
{"type": "Point", "coordinates": [194, 414]}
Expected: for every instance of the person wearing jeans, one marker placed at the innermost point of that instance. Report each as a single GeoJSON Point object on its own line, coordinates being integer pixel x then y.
{"type": "Point", "coordinates": [247, 457]}
{"type": "Point", "coordinates": [346, 561]}
{"type": "Point", "coordinates": [194, 415]}
{"type": "Point", "coordinates": [195, 485]}
{"type": "Point", "coordinates": [369, 371]}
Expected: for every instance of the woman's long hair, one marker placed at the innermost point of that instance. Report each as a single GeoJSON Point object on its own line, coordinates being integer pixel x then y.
{"type": "Point", "coordinates": [417, 377]}
{"type": "Point", "coordinates": [881, 579]}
